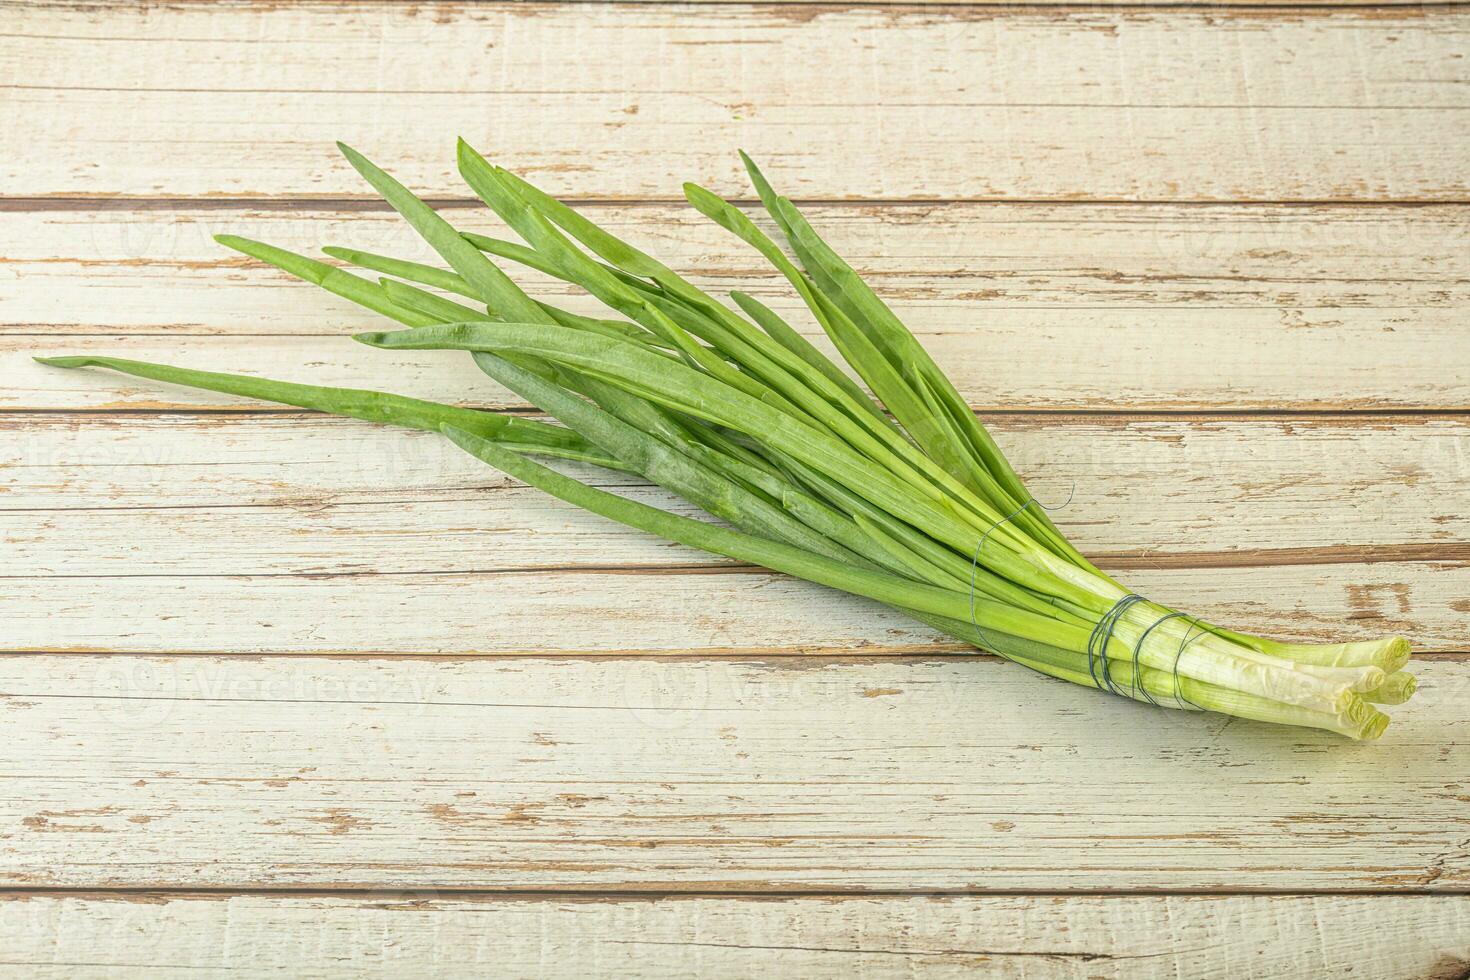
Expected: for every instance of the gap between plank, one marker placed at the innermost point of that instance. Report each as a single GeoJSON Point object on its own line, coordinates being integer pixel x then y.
{"type": "Point", "coordinates": [412, 894]}
{"type": "Point", "coordinates": [1288, 7]}
{"type": "Point", "coordinates": [1455, 552]}
{"type": "Point", "coordinates": [799, 658]}
{"type": "Point", "coordinates": [219, 91]}
{"type": "Point", "coordinates": [122, 202]}
{"type": "Point", "coordinates": [826, 5]}
{"type": "Point", "coordinates": [1365, 416]}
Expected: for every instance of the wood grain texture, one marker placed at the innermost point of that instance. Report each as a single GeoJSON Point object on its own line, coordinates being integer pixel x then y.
{"type": "Point", "coordinates": [1044, 306]}
{"type": "Point", "coordinates": [696, 608]}
{"type": "Point", "coordinates": [907, 102]}
{"type": "Point", "coordinates": [417, 931]}
{"type": "Point", "coordinates": [1304, 481]}
{"type": "Point", "coordinates": [734, 730]}
{"type": "Point", "coordinates": [967, 774]}
{"type": "Point", "coordinates": [72, 268]}
{"type": "Point", "coordinates": [1066, 361]}
{"type": "Point", "coordinates": [286, 534]}
{"type": "Point", "coordinates": [326, 496]}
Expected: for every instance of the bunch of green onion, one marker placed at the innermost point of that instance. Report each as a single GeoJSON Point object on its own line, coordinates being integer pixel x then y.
{"type": "Point", "coordinates": [890, 489]}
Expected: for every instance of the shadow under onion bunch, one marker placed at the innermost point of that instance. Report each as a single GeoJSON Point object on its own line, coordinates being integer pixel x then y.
{"type": "Point", "coordinates": [909, 503]}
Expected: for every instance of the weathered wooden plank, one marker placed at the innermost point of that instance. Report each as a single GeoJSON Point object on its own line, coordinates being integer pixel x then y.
{"type": "Point", "coordinates": [299, 534]}
{"type": "Point", "coordinates": [1234, 487]}
{"type": "Point", "coordinates": [518, 527]}
{"type": "Point", "coordinates": [953, 774]}
{"type": "Point", "coordinates": [487, 609]}
{"type": "Point", "coordinates": [1028, 306]}
{"type": "Point", "coordinates": [972, 102]}
{"type": "Point", "coordinates": [418, 931]}
{"type": "Point", "coordinates": [77, 269]}
{"type": "Point", "coordinates": [1108, 360]}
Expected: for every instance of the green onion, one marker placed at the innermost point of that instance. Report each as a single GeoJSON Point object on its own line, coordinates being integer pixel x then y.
{"type": "Point", "coordinates": [881, 482]}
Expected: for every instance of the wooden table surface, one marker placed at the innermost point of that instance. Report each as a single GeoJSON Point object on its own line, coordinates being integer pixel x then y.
{"type": "Point", "coordinates": [288, 692]}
